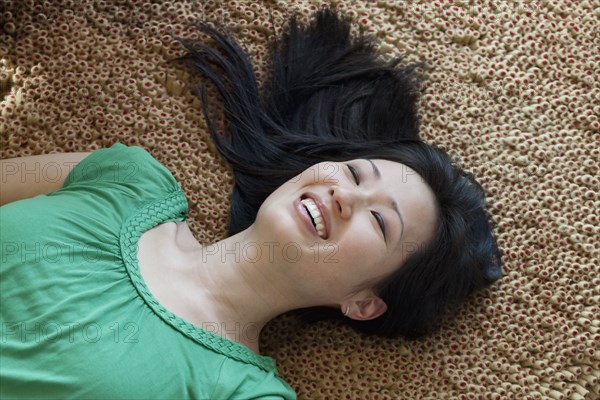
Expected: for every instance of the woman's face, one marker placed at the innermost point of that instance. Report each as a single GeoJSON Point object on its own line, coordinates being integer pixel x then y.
{"type": "Point", "coordinates": [370, 215]}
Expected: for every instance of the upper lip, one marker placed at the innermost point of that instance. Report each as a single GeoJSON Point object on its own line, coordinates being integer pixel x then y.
{"type": "Point", "coordinates": [322, 210]}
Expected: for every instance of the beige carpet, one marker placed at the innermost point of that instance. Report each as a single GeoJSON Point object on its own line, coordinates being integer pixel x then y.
{"type": "Point", "coordinates": [514, 94]}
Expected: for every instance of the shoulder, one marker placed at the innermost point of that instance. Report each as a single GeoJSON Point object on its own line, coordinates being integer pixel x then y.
{"type": "Point", "coordinates": [241, 380]}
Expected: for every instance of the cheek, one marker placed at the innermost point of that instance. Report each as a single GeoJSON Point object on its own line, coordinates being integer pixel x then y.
{"type": "Point", "coordinates": [363, 253]}
{"type": "Point", "coordinates": [360, 249]}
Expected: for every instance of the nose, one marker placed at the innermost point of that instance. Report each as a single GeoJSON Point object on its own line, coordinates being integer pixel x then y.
{"type": "Point", "coordinates": [344, 200]}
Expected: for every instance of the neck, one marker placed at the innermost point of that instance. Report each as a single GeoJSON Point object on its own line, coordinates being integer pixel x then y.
{"type": "Point", "coordinates": [237, 284]}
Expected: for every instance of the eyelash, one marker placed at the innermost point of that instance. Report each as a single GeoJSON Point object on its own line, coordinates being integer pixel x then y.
{"type": "Point", "coordinates": [377, 216]}
{"type": "Point", "coordinates": [354, 174]}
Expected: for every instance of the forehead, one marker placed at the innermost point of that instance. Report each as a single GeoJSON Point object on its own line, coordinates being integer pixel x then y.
{"type": "Point", "coordinates": [398, 174]}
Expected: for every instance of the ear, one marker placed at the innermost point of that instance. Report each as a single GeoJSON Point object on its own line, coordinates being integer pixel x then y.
{"type": "Point", "coordinates": [368, 308]}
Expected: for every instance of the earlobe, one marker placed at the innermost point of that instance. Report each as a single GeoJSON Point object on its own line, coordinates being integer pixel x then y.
{"type": "Point", "coordinates": [364, 310]}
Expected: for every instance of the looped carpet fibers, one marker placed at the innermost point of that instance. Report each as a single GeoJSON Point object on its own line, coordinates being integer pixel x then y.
{"type": "Point", "coordinates": [512, 94]}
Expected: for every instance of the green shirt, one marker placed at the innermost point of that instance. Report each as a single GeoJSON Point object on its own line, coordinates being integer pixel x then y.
{"type": "Point", "coordinates": [77, 319]}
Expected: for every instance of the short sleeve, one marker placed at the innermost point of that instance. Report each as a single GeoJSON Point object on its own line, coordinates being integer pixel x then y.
{"type": "Point", "coordinates": [129, 169]}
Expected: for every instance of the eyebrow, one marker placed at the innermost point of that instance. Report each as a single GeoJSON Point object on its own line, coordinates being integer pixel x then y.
{"type": "Point", "coordinates": [377, 173]}
{"type": "Point", "coordinates": [375, 169]}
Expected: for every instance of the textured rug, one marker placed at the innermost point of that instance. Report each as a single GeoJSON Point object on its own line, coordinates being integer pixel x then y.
{"type": "Point", "coordinates": [513, 93]}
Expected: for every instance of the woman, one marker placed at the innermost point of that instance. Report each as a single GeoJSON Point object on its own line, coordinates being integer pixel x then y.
{"type": "Point", "coordinates": [337, 207]}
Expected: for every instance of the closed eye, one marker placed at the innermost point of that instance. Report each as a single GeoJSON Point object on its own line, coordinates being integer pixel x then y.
{"type": "Point", "coordinates": [378, 217]}
{"type": "Point", "coordinates": [354, 174]}
{"type": "Point", "coordinates": [380, 221]}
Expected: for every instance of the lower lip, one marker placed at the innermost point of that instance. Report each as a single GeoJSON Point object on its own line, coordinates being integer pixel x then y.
{"type": "Point", "coordinates": [305, 217]}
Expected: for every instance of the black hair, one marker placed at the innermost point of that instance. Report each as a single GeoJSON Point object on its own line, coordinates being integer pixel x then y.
{"type": "Point", "coordinates": [329, 96]}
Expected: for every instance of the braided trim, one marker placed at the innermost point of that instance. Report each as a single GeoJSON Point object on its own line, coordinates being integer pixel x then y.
{"type": "Point", "coordinates": [174, 207]}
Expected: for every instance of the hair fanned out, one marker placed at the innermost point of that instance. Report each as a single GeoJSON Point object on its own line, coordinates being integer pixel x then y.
{"type": "Point", "coordinates": [329, 96]}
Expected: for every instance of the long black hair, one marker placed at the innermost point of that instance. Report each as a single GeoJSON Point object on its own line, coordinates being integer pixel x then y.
{"type": "Point", "coordinates": [329, 96]}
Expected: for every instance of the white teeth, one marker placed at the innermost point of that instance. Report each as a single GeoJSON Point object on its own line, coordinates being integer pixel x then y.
{"type": "Point", "coordinates": [316, 216]}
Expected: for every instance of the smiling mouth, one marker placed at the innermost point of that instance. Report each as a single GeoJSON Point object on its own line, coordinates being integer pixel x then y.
{"type": "Point", "coordinates": [315, 215]}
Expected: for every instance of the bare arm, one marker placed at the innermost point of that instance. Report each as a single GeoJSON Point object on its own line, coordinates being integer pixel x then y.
{"type": "Point", "coordinates": [25, 177]}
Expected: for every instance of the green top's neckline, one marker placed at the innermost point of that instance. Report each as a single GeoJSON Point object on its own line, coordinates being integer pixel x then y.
{"type": "Point", "coordinates": [173, 207]}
